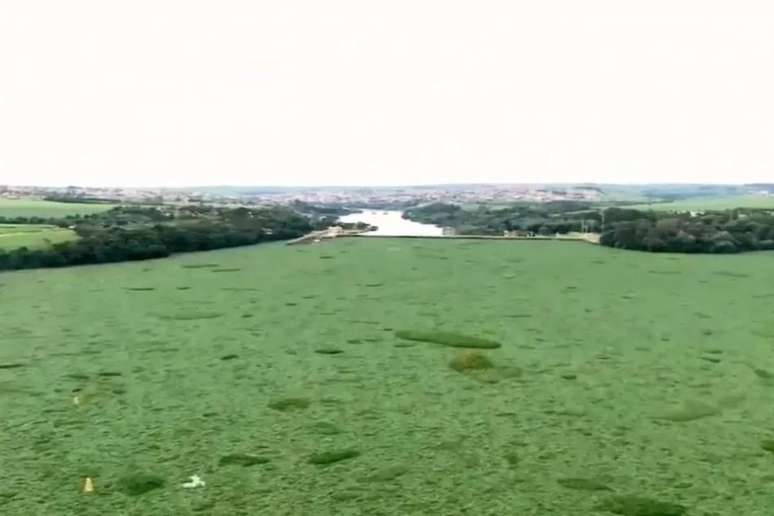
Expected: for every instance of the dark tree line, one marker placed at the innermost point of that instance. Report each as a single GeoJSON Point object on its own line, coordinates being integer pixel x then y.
{"type": "Point", "coordinates": [137, 233]}
{"type": "Point", "coordinates": [730, 231]}
{"type": "Point", "coordinates": [538, 218]}
{"type": "Point", "coordinates": [63, 223]}
{"type": "Point", "coordinates": [74, 199]}
{"type": "Point", "coordinates": [310, 209]}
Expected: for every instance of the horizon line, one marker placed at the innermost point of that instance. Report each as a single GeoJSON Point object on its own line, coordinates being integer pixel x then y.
{"type": "Point", "coordinates": [418, 185]}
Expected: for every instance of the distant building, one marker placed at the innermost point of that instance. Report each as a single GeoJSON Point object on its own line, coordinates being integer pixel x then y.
{"type": "Point", "coordinates": [333, 232]}
{"type": "Point", "coordinates": [518, 233]}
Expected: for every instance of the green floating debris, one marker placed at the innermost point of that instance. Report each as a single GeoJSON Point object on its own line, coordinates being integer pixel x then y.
{"type": "Point", "coordinates": [190, 316]}
{"type": "Point", "coordinates": [242, 459]}
{"type": "Point", "coordinates": [466, 361]}
{"type": "Point", "coordinates": [512, 458]}
{"type": "Point", "coordinates": [731, 274]}
{"type": "Point", "coordinates": [139, 483]}
{"type": "Point", "coordinates": [331, 457]}
{"type": "Point", "coordinates": [691, 411]}
{"type": "Point", "coordinates": [638, 506]}
{"type": "Point", "coordinates": [287, 404]}
{"type": "Point", "coordinates": [325, 428]}
{"type": "Point", "coordinates": [445, 338]}
{"type": "Point", "coordinates": [328, 351]}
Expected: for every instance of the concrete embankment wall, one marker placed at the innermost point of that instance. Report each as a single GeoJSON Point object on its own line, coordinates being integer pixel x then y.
{"type": "Point", "coordinates": [479, 237]}
{"type": "Point", "coordinates": [311, 237]}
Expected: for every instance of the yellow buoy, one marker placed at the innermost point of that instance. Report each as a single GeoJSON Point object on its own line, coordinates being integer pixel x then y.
{"type": "Point", "coordinates": [88, 485]}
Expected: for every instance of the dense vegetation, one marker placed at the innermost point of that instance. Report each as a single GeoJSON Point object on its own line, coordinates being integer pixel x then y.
{"type": "Point", "coordinates": [323, 216]}
{"type": "Point", "coordinates": [538, 218]}
{"type": "Point", "coordinates": [320, 210]}
{"type": "Point", "coordinates": [138, 233]}
{"type": "Point", "coordinates": [37, 220]}
{"type": "Point", "coordinates": [728, 231]}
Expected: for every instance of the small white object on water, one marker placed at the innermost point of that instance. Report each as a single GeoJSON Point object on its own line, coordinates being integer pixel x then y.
{"type": "Point", "coordinates": [88, 485]}
{"type": "Point", "coordinates": [196, 481]}
{"type": "Point", "coordinates": [76, 400]}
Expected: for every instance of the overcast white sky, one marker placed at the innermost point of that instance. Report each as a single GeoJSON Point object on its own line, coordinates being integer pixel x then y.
{"type": "Point", "coordinates": [310, 92]}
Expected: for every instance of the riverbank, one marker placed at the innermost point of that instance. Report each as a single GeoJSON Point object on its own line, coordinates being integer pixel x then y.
{"type": "Point", "coordinates": [325, 234]}
{"type": "Point", "coordinates": [391, 224]}
{"type": "Point", "coordinates": [592, 238]}
{"type": "Point", "coordinates": [318, 236]}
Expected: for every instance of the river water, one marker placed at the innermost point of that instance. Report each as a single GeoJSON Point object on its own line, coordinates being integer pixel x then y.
{"type": "Point", "coordinates": [391, 223]}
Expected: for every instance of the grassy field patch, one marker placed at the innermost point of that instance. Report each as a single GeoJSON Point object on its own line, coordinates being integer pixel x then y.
{"type": "Point", "coordinates": [33, 236]}
{"type": "Point", "coordinates": [711, 203]}
{"type": "Point", "coordinates": [47, 209]}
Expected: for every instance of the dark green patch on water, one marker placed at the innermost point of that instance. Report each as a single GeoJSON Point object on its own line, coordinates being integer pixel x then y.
{"type": "Point", "coordinates": [328, 351]}
{"type": "Point", "coordinates": [242, 459]}
{"type": "Point", "coordinates": [287, 404]}
{"type": "Point", "coordinates": [135, 484]}
{"type": "Point", "coordinates": [639, 506]}
{"type": "Point", "coordinates": [330, 457]}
